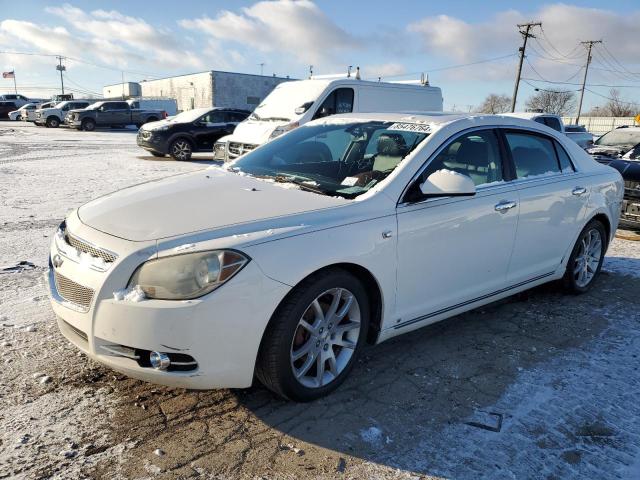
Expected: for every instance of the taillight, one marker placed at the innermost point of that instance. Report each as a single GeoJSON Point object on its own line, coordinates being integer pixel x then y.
{"type": "Point", "coordinates": [164, 114]}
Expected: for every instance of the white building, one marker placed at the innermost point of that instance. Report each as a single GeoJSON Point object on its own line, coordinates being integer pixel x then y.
{"type": "Point", "coordinates": [212, 89]}
{"type": "Point", "coordinates": [121, 90]}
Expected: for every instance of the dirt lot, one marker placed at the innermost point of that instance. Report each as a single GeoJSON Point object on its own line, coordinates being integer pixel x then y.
{"type": "Point", "coordinates": [541, 385]}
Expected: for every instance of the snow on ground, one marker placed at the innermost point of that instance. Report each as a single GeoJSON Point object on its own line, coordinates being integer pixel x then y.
{"type": "Point", "coordinates": [541, 385]}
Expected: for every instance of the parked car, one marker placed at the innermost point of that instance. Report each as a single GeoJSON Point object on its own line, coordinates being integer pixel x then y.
{"type": "Point", "coordinates": [111, 114]}
{"type": "Point", "coordinates": [191, 131]}
{"type": "Point", "coordinates": [620, 149]}
{"type": "Point", "coordinates": [30, 115]}
{"type": "Point", "coordinates": [6, 108]}
{"type": "Point", "coordinates": [295, 103]}
{"type": "Point", "coordinates": [168, 105]}
{"type": "Point", "coordinates": [16, 98]}
{"type": "Point", "coordinates": [53, 117]}
{"type": "Point", "coordinates": [577, 133]}
{"type": "Point", "coordinates": [17, 115]}
{"type": "Point", "coordinates": [347, 230]}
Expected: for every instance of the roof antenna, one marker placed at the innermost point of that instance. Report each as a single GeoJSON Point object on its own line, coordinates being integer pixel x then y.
{"type": "Point", "coordinates": [310, 71]}
{"type": "Point", "coordinates": [379, 79]}
{"type": "Point", "coordinates": [357, 73]}
{"type": "Point", "coordinates": [349, 71]}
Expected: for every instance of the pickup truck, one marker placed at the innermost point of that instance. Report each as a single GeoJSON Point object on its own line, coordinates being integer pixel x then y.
{"type": "Point", "coordinates": [111, 114]}
{"type": "Point", "coordinates": [578, 135]}
{"type": "Point", "coordinates": [53, 116]}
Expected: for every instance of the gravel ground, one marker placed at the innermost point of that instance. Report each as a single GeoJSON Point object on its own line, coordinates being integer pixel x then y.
{"type": "Point", "coordinates": [540, 385]}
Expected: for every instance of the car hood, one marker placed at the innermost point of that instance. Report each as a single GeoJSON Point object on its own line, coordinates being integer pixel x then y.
{"type": "Point", "coordinates": [187, 203]}
{"type": "Point", "coordinates": [607, 151]}
{"type": "Point", "coordinates": [629, 169]}
{"type": "Point", "coordinates": [255, 132]}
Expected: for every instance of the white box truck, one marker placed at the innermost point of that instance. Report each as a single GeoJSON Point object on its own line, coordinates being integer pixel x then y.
{"type": "Point", "coordinates": [295, 103]}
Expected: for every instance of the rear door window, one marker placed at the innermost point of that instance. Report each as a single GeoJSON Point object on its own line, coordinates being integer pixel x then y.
{"type": "Point", "coordinates": [533, 155]}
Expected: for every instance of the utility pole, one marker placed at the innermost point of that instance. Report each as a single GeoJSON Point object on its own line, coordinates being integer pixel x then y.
{"type": "Point", "coordinates": [61, 68]}
{"type": "Point", "coordinates": [589, 44]}
{"type": "Point", "coordinates": [527, 27]}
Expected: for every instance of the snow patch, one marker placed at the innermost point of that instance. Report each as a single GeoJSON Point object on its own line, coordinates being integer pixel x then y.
{"type": "Point", "coordinates": [132, 294]}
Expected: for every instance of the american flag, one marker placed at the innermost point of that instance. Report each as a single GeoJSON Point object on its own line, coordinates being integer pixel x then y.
{"type": "Point", "coordinates": [11, 74]}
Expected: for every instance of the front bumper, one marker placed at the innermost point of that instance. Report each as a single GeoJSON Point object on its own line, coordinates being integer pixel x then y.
{"type": "Point", "coordinates": [151, 142]}
{"type": "Point", "coordinates": [220, 331]}
{"type": "Point", "coordinates": [630, 211]}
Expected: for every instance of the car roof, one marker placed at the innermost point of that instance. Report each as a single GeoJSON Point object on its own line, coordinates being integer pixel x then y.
{"type": "Point", "coordinates": [528, 115]}
{"type": "Point", "coordinates": [435, 118]}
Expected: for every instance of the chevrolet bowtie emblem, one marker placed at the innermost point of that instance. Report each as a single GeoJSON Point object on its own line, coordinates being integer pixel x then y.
{"type": "Point", "coordinates": [57, 260]}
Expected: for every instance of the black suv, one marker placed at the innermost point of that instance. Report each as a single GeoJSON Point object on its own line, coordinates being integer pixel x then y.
{"type": "Point", "coordinates": [5, 108]}
{"type": "Point", "coordinates": [191, 131]}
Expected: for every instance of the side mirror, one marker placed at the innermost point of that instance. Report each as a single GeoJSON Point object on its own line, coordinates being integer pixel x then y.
{"type": "Point", "coordinates": [447, 183]}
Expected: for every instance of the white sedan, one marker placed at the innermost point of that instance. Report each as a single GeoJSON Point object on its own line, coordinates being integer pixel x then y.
{"type": "Point", "coordinates": [347, 230]}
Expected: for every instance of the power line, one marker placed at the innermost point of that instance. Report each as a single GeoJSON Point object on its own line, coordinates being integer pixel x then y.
{"type": "Point", "coordinates": [578, 84]}
{"type": "Point", "coordinates": [568, 55]}
{"type": "Point", "coordinates": [618, 62]}
{"type": "Point", "coordinates": [614, 99]}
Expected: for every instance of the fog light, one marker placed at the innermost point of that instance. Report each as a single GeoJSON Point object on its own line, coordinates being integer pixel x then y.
{"type": "Point", "coordinates": [159, 361]}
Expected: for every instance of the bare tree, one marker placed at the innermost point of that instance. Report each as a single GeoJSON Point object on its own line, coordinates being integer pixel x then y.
{"type": "Point", "coordinates": [559, 102]}
{"type": "Point", "coordinates": [495, 103]}
{"type": "Point", "coordinates": [616, 107]}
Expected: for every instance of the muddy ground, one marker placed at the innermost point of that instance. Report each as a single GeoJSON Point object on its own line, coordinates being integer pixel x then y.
{"type": "Point", "coordinates": [541, 385]}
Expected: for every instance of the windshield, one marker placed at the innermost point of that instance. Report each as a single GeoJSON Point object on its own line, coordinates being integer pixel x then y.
{"type": "Point", "coordinates": [282, 102]}
{"type": "Point", "coordinates": [345, 159]}
{"type": "Point", "coordinates": [622, 137]}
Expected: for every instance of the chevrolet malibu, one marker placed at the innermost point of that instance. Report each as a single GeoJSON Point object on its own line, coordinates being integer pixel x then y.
{"type": "Point", "coordinates": [345, 231]}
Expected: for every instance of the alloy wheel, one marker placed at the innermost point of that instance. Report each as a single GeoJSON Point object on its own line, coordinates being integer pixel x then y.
{"type": "Point", "coordinates": [325, 338]}
{"type": "Point", "coordinates": [181, 150]}
{"type": "Point", "coordinates": [588, 257]}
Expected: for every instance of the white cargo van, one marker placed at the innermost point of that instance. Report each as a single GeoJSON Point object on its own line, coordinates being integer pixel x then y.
{"type": "Point", "coordinates": [168, 105]}
{"type": "Point", "coordinates": [295, 103]}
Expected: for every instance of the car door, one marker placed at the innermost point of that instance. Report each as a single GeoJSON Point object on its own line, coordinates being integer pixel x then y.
{"type": "Point", "coordinates": [120, 113]}
{"type": "Point", "coordinates": [207, 129]}
{"type": "Point", "coordinates": [338, 101]}
{"type": "Point", "coordinates": [453, 251]}
{"type": "Point", "coordinates": [552, 203]}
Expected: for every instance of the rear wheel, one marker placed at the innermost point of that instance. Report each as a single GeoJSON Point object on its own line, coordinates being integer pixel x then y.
{"type": "Point", "coordinates": [314, 337]}
{"type": "Point", "coordinates": [88, 125]}
{"type": "Point", "coordinates": [586, 258]}
{"type": "Point", "coordinates": [180, 149]}
{"type": "Point", "coordinates": [53, 122]}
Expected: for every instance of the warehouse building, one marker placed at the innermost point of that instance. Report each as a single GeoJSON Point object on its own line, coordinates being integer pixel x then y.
{"type": "Point", "coordinates": [122, 90]}
{"type": "Point", "coordinates": [213, 88]}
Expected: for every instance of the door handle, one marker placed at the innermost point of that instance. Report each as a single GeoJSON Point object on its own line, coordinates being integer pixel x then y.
{"type": "Point", "coordinates": [579, 191]}
{"type": "Point", "coordinates": [505, 205]}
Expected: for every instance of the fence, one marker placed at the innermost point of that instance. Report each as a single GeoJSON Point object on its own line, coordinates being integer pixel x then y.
{"type": "Point", "coordinates": [600, 125]}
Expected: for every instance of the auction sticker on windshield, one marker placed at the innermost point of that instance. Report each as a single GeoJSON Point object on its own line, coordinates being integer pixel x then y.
{"type": "Point", "coordinates": [410, 127]}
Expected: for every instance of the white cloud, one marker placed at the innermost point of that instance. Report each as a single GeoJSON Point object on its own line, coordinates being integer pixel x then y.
{"type": "Point", "coordinates": [296, 28]}
{"type": "Point", "coordinates": [564, 25]}
{"type": "Point", "coordinates": [391, 69]}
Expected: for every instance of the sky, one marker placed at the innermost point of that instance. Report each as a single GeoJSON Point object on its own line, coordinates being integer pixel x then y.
{"type": "Point", "coordinates": [468, 48]}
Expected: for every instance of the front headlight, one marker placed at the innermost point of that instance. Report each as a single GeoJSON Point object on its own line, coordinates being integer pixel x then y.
{"type": "Point", "coordinates": [187, 276]}
{"type": "Point", "coordinates": [283, 129]}
{"type": "Point", "coordinates": [219, 150]}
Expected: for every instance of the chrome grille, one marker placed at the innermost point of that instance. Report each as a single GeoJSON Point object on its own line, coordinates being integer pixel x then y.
{"type": "Point", "coordinates": [90, 249]}
{"type": "Point", "coordinates": [236, 149]}
{"type": "Point", "coordinates": [73, 292]}
{"type": "Point", "coordinates": [632, 188]}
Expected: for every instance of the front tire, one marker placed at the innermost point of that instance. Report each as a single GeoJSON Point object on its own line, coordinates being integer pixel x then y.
{"type": "Point", "coordinates": [180, 149]}
{"type": "Point", "coordinates": [53, 122]}
{"type": "Point", "coordinates": [586, 258]}
{"type": "Point", "coordinates": [314, 337]}
{"type": "Point", "coordinates": [88, 125]}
